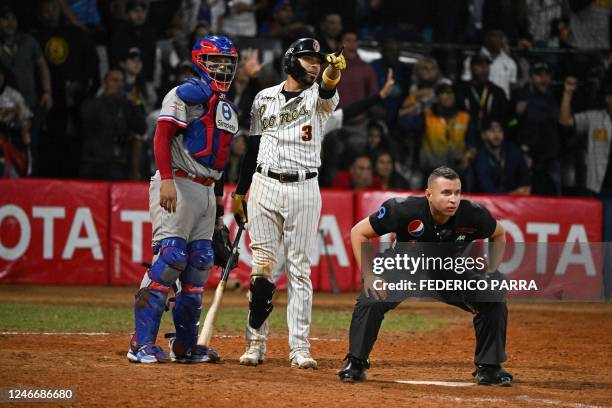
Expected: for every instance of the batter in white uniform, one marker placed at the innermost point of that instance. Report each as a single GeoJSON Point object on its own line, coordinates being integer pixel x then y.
{"type": "Point", "coordinates": [284, 205]}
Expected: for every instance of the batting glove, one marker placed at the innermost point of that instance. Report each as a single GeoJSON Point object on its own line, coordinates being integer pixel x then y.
{"type": "Point", "coordinates": [336, 60]}
{"type": "Point", "coordinates": [239, 208]}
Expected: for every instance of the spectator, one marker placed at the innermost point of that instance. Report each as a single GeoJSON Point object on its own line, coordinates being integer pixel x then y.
{"type": "Point", "coordinates": [596, 126]}
{"type": "Point", "coordinates": [500, 167]}
{"type": "Point", "coordinates": [246, 85]}
{"type": "Point", "coordinates": [544, 15]}
{"type": "Point", "coordinates": [446, 134]}
{"type": "Point", "coordinates": [358, 79]}
{"type": "Point", "coordinates": [390, 60]}
{"type": "Point", "coordinates": [139, 92]}
{"type": "Point", "coordinates": [384, 168]}
{"type": "Point", "coordinates": [480, 97]}
{"type": "Point", "coordinates": [503, 70]}
{"type": "Point", "coordinates": [509, 16]}
{"type": "Point", "coordinates": [73, 65]}
{"type": "Point", "coordinates": [330, 28]}
{"type": "Point", "coordinates": [376, 137]}
{"type": "Point", "coordinates": [109, 122]}
{"type": "Point", "coordinates": [83, 14]}
{"type": "Point", "coordinates": [239, 18]}
{"type": "Point", "coordinates": [22, 55]}
{"type": "Point", "coordinates": [14, 129]}
{"type": "Point", "coordinates": [284, 25]}
{"type": "Point", "coordinates": [538, 133]}
{"type": "Point", "coordinates": [590, 23]}
{"type": "Point", "coordinates": [134, 33]}
{"type": "Point", "coordinates": [359, 176]}
{"type": "Point", "coordinates": [425, 76]}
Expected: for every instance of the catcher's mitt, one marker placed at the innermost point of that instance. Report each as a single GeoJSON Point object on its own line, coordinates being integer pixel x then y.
{"type": "Point", "coordinates": [223, 248]}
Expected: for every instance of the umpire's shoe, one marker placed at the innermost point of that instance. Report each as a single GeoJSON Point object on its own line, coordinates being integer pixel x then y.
{"type": "Point", "coordinates": [353, 370]}
{"type": "Point", "coordinates": [492, 375]}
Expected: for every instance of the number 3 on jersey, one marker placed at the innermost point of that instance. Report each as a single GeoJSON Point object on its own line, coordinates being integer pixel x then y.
{"type": "Point", "coordinates": [307, 133]}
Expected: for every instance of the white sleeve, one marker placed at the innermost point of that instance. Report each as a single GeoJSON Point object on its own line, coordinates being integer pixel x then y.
{"type": "Point", "coordinates": [173, 110]}
{"type": "Point", "coordinates": [334, 122]}
{"type": "Point", "coordinates": [255, 128]}
{"type": "Point", "coordinates": [467, 73]}
{"type": "Point", "coordinates": [582, 120]}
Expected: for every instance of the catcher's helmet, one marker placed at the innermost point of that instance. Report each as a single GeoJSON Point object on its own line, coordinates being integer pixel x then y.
{"type": "Point", "coordinates": [217, 74]}
{"type": "Point", "coordinates": [303, 46]}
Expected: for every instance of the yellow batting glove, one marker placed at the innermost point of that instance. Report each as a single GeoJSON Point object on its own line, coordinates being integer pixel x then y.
{"type": "Point", "coordinates": [336, 60]}
{"type": "Point", "coordinates": [239, 208]}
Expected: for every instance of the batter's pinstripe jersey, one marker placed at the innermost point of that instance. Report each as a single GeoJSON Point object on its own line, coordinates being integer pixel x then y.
{"type": "Point", "coordinates": [291, 132]}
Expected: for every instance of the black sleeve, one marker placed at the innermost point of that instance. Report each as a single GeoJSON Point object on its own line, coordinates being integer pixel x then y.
{"type": "Point", "coordinates": [249, 162]}
{"type": "Point", "coordinates": [219, 184]}
{"type": "Point", "coordinates": [326, 93]}
{"type": "Point", "coordinates": [385, 220]}
{"type": "Point", "coordinates": [359, 107]}
{"type": "Point", "coordinates": [482, 220]}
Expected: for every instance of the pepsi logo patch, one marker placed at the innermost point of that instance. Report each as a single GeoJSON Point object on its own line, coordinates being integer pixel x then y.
{"type": "Point", "coordinates": [416, 228]}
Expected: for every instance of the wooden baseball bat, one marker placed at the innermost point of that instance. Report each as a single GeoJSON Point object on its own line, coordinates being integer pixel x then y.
{"type": "Point", "coordinates": [211, 316]}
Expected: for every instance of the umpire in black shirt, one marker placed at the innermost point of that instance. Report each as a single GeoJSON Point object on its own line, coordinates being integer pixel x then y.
{"type": "Point", "coordinates": [439, 216]}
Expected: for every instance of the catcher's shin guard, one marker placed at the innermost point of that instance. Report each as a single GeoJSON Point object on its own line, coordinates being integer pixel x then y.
{"type": "Point", "coordinates": [186, 314]}
{"type": "Point", "coordinates": [260, 301]}
{"type": "Point", "coordinates": [148, 309]}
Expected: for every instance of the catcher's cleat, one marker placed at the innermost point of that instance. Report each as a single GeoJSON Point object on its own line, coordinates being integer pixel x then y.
{"type": "Point", "coordinates": [492, 375]}
{"type": "Point", "coordinates": [303, 359]}
{"type": "Point", "coordinates": [196, 354]}
{"type": "Point", "coordinates": [254, 354]}
{"type": "Point", "coordinates": [147, 354]}
{"type": "Point", "coordinates": [354, 370]}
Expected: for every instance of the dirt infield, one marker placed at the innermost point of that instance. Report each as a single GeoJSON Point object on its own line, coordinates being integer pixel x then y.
{"type": "Point", "coordinates": [560, 355]}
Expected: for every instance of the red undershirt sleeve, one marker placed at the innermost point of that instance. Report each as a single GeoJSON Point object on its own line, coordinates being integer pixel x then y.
{"type": "Point", "coordinates": [162, 141]}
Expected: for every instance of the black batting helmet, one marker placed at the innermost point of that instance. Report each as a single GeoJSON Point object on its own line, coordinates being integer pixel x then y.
{"type": "Point", "coordinates": [303, 46]}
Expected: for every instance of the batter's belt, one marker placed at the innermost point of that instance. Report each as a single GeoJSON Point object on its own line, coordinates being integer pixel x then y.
{"type": "Point", "coordinates": [285, 177]}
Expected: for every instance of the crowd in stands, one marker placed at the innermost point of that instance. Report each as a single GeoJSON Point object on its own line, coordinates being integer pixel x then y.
{"type": "Point", "coordinates": [516, 95]}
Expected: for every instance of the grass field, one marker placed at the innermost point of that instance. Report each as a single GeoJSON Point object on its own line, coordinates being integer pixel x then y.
{"type": "Point", "coordinates": [36, 317]}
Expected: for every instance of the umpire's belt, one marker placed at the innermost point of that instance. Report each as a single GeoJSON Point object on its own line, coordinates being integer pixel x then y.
{"type": "Point", "coordinates": [285, 177]}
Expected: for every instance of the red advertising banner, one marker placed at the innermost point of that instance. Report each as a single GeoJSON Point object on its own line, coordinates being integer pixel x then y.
{"type": "Point", "coordinates": [130, 238]}
{"type": "Point", "coordinates": [53, 232]}
{"type": "Point", "coordinates": [130, 242]}
{"type": "Point", "coordinates": [562, 262]}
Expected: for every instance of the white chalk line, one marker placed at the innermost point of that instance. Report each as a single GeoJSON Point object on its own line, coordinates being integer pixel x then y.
{"type": "Point", "coordinates": [220, 336]}
{"type": "Point", "coordinates": [440, 383]}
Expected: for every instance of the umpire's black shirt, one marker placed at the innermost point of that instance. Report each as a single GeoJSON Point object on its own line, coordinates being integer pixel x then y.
{"type": "Point", "coordinates": [410, 219]}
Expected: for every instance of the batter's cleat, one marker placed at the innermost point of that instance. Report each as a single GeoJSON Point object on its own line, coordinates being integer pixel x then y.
{"type": "Point", "coordinates": [492, 375]}
{"type": "Point", "coordinates": [354, 370]}
{"type": "Point", "coordinates": [254, 354]}
{"type": "Point", "coordinates": [194, 355]}
{"type": "Point", "coordinates": [303, 359]}
{"type": "Point", "coordinates": [149, 353]}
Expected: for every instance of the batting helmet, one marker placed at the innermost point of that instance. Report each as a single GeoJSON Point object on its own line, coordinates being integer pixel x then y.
{"type": "Point", "coordinates": [303, 46]}
{"type": "Point", "coordinates": [217, 74]}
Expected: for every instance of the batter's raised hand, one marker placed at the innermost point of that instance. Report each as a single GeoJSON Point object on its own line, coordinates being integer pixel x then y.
{"type": "Point", "coordinates": [167, 195]}
{"type": "Point", "coordinates": [336, 60]}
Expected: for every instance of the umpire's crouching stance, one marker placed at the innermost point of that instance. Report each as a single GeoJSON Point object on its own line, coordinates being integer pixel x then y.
{"type": "Point", "coordinates": [440, 216]}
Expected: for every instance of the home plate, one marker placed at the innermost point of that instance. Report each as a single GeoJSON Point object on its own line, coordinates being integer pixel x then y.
{"type": "Point", "coordinates": [440, 383]}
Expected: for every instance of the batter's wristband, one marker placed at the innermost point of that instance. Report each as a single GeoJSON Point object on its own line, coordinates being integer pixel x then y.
{"type": "Point", "coordinates": [330, 82]}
